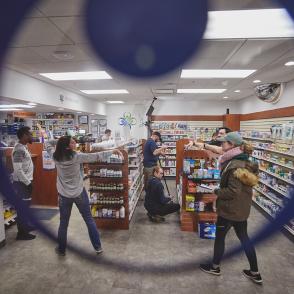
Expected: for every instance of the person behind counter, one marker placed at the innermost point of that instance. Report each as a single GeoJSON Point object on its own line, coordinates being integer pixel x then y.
{"type": "Point", "coordinates": [71, 189]}
{"type": "Point", "coordinates": [23, 169]}
{"type": "Point", "coordinates": [156, 204]}
{"type": "Point", "coordinates": [107, 135]}
{"type": "Point", "coordinates": [151, 155]}
{"type": "Point", "coordinates": [213, 145]}
{"type": "Point", "coordinates": [234, 198]}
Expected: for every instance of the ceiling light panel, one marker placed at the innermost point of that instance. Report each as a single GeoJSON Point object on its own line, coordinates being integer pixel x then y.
{"type": "Point", "coordinates": [84, 75]}
{"type": "Point", "coordinates": [100, 92]}
{"type": "Point", "coordinates": [216, 73]}
{"type": "Point", "coordinates": [248, 24]}
{"type": "Point", "coordinates": [200, 91]}
{"type": "Point", "coordinates": [15, 106]}
{"type": "Point", "coordinates": [115, 102]}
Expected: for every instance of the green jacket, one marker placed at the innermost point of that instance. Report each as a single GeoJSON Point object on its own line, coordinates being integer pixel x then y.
{"type": "Point", "coordinates": [234, 197]}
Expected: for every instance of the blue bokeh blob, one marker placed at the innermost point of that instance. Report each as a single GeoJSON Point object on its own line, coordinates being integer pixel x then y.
{"type": "Point", "coordinates": [145, 38]}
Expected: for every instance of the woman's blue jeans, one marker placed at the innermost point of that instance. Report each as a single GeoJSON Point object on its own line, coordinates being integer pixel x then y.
{"type": "Point", "coordinates": [82, 203]}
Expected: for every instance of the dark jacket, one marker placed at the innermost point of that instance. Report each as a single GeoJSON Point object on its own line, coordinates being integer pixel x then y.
{"type": "Point", "coordinates": [235, 194]}
{"type": "Point", "coordinates": [155, 197]}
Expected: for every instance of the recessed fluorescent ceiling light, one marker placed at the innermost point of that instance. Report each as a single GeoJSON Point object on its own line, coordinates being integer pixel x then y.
{"type": "Point", "coordinates": [245, 24]}
{"type": "Point", "coordinates": [256, 81]}
{"type": "Point", "coordinates": [79, 112]}
{"type": "Point", "coordinates": [200, 91]}
{"type": "Point", "coordinates": [289, 63]}
{"type": "Point", "coordinates": [32, 104]}
{"type": "Point", "coordinates": [237, 91]}
{"type": "Point", "coordinates": [83, 75]}
{"type": "Point", "coordinates": [120, 91]}
{"type": "Point", "coordinates": [10, 109]}
{"type": "Point", "coordinates": [216, 73]}
{"type": "Point", "coordinates": [115, 102]}
{"type": "Point", "coordinates": [15, 106]}
{"type": "Point", "coordinates": [164, 91]}
{"type": "Point", "coordinates": [226, 97]}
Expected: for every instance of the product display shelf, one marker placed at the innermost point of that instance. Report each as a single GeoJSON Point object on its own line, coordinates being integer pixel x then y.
{"type": "Point", "coordinates": [136, 188]}
{"type": "Point", "coordinates": [273, 188]}
{"type": "Point", "coordinates": [119, 218]}
{"type": "Point", "coordinates": [268, 196]}
{"type": "Point", "coordinates": [274, 162]}
{"type": "Point", "coordinates": [277, 176]}
{"type": "Point", "coordinates": [275, 151]}
{"type": "Point", "coordinates": [277, 144]}
{"type": "Point", "coordinates": [8, 221]}
{"type": "Point", "coordinates": [258, 139]}
{"type": "Point", "coordinates": [291, 231]}
{"type": "Point", "coordinates": [192, 216]}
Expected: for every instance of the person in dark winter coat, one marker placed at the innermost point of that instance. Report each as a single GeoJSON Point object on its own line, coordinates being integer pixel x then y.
{"type": "Point", "coordinates": [156, 203]}
{"type": "Point", "coordinates": [234, 198]}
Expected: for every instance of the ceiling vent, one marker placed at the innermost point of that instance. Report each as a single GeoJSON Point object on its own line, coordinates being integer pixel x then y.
{"type": "Point", "coordinates": [63, 55]}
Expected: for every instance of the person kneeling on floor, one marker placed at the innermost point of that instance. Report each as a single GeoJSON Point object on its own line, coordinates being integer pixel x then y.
{"type": "Point", "coordinates": [156, 204]}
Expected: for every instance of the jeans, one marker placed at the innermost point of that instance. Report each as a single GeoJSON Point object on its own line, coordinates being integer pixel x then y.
{"type": "Point", "coordinates": [82, 203]}
{"type": "Point", "coordinates": [222, 227]}
{"type": "Point", "coordinates": [23, 193]}
{"type": "Point", "coordinates": [165, 209]}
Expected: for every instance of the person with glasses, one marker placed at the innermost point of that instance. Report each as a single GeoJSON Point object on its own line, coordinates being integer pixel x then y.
{"type": "Point", "coordinates": [23, 169]}
{"type": "Point", "coordinates": [156, 203]}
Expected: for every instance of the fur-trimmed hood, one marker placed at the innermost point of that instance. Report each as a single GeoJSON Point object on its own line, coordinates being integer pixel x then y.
{"type": "Point", "coordinates": [246, 177]}
{"type": "Point", "coordinates": [245, 171]}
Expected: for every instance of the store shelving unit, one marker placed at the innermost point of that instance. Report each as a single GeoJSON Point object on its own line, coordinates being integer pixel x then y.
{"type": "Point", "coordinates": [58, 126]}
{"type": "Point", "coordinates": [276, 166]}
{"type": "Point", "coordinates": [172, 131]}
{"type": "Point", "coordinates": [136, 177]}
{"type": "Point", "coordinates": [109, 194]}
{"type": "Point", "coordinates": [121, 187]}
{"type": "Point", "coordinates": [190, 219]}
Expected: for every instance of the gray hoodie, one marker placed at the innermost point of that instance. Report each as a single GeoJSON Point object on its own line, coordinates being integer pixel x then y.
{"type": "Point", "coordinates": [70, 173]}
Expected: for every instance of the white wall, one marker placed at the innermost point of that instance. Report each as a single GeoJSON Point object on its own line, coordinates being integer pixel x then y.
{"type": "Point", "coordinates": [253, 104]}
{"type": "Point", "coordinates": [200, 107]}
{"type": "Point", "coordinates": [19, 86]}
{"type": "Point", "coordinates": [114, 112]}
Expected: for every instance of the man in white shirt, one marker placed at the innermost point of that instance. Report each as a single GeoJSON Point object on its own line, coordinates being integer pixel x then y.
{"type": "Point", "coordinates": [107, 135]}
{"type": "Point", "coordinates": [23, 170]}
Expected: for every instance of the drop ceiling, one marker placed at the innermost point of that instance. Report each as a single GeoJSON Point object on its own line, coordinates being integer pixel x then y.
{"type": "Point", "coordinates": [56, 25]}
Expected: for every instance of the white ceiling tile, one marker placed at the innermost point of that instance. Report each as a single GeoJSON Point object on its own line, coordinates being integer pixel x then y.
{"type": "Point", "coordinates": [258, 53]}
{"type": "Point", "coordinates": [23, 55]}
{"type": "Point", "coordinates": [48, 51]}
{"type": "Point", "coordinates": [35, 12]}
{"type": "Point", "coordinates": [61, 7]}
{"type": "Point", "coordinates": [39, 32]}
{"type": "Point", "coordinates": [73, 27]}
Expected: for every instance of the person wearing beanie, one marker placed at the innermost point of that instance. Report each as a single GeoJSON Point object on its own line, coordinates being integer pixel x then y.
{"type": "Point", "coordinates": [234, 198]}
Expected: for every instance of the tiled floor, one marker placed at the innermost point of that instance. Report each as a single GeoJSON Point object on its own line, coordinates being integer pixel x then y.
{"type": "Point", "coordinates": [151, 255]}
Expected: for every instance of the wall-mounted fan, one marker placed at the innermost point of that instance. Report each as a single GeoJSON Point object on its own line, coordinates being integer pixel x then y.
{"type": "Point", "coordinates": [270, 92]}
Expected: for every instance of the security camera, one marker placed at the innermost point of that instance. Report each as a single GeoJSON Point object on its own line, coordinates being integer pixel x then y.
{"type": "Point", "coordinates": [61, 97]}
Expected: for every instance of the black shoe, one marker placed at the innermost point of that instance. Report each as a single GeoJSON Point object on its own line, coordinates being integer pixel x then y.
{"type": "Point", "coordinates": [25, 237]}
{"type": "Point", "coordinates": [58, 252]}
{"type": "Point", "coordinates": [99, 250]}
{"type": "Point", "coordinates": [30, 228]}
{"type": "Point", "coordinates": [256, 278]}
{"type": "Point", "coordinates": [207, 268]}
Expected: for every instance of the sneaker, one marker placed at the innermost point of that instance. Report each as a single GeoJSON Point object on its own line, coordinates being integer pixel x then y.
{"type": "Point", "coordinates": [25, 237]}
{"type": "Point", "coordinates": [256, 278]}
{"type": "Point", "coordinates": [58, 252]}
{"type": "Point", "coordinates": [99, 251]}
{"type": "Point", "coordinates": [207, 268]}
